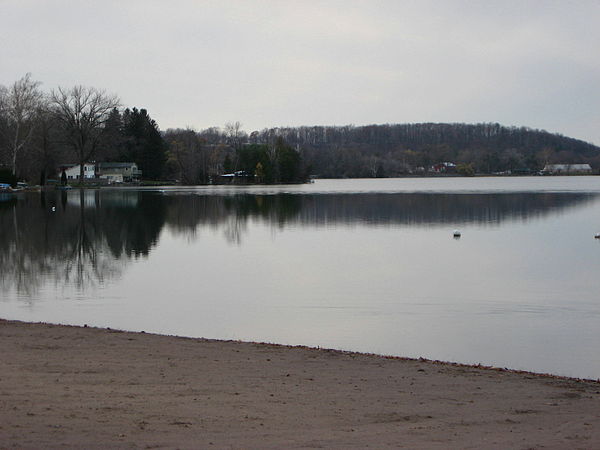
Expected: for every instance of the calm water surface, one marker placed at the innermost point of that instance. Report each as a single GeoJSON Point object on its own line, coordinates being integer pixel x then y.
{"type": "Point", "coordinates": [365, 265]}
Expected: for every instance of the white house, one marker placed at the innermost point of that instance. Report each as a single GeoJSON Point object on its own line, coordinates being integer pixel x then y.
{"type": "Point", "coordinates": [72, 171]}
{"type": "Point", "coordinates": [567, 169]}
{"type": "Point", "coordinates": [119, 171]}
{"type": "Point", "coordinates": [113, 172]}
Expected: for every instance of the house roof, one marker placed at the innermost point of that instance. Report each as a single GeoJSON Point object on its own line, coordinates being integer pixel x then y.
{"type": "Point", "coordinates": [239, 173]}
{"type": "Point", "coordinates": [114, 165]}
{"type": "Point", "coordinates": [74, 166]}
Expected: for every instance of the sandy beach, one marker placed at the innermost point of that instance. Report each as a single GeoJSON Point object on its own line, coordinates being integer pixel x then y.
{"type": "Point", "coordinates": [81, 387]}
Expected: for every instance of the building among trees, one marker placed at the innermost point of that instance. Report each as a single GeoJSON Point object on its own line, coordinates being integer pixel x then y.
{"type": "Point", "coordinates": [118, 171]}
{"type": "Point", "coordinates": [567, 169]}
{"type": "Point", "coordinates": [73, 171]}
{"type": "Point", "coordinates": [112, 172]}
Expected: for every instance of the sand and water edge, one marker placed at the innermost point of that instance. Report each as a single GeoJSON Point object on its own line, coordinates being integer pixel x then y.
{"type": "Point", "coordinates": [84, 387]}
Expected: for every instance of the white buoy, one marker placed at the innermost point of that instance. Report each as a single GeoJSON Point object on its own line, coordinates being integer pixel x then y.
{"type": "Point", "coordinates": [53, 208]}
{"type": "Point", "coordinates": [456, 234]}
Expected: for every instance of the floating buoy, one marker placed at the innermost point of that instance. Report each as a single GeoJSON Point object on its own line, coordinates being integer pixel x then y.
{"type": "Point", "coordinates": [53, 208]}
{"type": "Point", "coordinates": [597, 236]}
{"type": "Point", "coordinates": [456, 234]}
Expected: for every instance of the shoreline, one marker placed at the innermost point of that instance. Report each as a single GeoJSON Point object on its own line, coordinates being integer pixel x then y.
{"type": "Point", "coordinates": [63, 385]}
{"type": "Point", "coordinates": [326, 349]}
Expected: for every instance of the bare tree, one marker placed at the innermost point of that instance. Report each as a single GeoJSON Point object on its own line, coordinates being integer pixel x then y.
{"type": "Point", "coordinates": [187, 158]}
{"type": "Point", "coordinates": [235, 135]}
{"type": "Point", "coordinates": [82, 112]}
{"type": "Point", "coordinates": [19, 105]}
{"type": "Point", "coordinates": [44, 152]}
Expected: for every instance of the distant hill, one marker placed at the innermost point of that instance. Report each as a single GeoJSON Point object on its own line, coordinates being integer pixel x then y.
{"type": "Point", "coordinates": [396, 149]}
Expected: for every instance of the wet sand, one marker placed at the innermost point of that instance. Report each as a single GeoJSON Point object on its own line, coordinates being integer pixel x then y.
{"type": "Point", "coordinates": [78, 387]}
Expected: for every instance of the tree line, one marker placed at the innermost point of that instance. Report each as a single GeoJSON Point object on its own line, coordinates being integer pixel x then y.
{"type": "Point", "coordinates": [390, 150]}
{"type": "Point", "coordinates": [40, 131]}
{"type": "Point", "coordinates": [400, 149]}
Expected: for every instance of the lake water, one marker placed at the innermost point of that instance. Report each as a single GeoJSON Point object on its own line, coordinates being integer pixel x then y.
{"type": "Point", "coordinates": [364, 265]}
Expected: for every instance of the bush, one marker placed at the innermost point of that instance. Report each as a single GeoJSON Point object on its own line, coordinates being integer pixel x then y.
{"type": "Point", "coordinates": [466, 170]}
{"type": "Point", "coordinates": [6, 176]}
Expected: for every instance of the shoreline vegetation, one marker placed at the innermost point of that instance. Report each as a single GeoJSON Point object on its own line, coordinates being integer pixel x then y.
{"type": "Point", "coordinates": [69, 386]}
{"type": "Point", "coordinates": [41, 133]}
{"type": "Point", "coordinates": [168, 183]}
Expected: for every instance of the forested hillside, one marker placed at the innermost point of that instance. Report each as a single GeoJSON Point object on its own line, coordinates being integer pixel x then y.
{"type": "Point", "coordinates": [389, 150]}
{"type": "Point", "coordinates": [395, 150]}
{"type": "Point", "coordinates": [40, 131]}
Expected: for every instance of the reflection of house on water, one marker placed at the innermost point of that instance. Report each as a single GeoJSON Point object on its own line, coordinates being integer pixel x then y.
{"type": "Point", "coordinates": [6, 199]}
{"type": "Point", "coordinates": [103, 198]}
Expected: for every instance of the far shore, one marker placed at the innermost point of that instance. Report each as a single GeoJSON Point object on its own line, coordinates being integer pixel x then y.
{"type": "Point", "coordinates": [172, 183]}
{"type": "Point", "coordinates": [83, 387]}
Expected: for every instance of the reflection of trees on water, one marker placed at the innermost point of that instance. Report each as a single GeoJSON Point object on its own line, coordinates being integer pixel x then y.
{"type": "Point", "coordinates": [90, 235]}
{"type": "Point", "coordinates": [275, 210]}
{"type": "Point", "coordinates": [79, 238]}
{"type": "Point", "coordinates": [229, 214]}
{"type": "Point", "coordinates": [435, 209]}
{"type": "Point", "coordinates": [232, 214]}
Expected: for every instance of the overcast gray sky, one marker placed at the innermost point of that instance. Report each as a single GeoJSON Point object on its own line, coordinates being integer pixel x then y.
{"type": "Point", "coordinates": [276, 63]}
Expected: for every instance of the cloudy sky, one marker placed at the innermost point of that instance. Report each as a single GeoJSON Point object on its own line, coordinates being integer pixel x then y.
{"type": "Point", "coordinates": [276, 63]}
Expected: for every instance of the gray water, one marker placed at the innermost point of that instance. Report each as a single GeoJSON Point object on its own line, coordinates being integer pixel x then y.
{"type": "Point", "coordinates": [364, 265]}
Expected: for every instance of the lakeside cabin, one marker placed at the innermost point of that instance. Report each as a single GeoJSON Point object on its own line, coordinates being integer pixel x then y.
{"type": "Point", "coordinates": [444, 167]}
{"type": "Point", "coordinates": [567, 169]}
{"type": "Point", "coordinates": [118, 172]}
{"type": "Point", "coordinates": [72, 171]}
{"type": "Point", "coordinates": [239, 177]}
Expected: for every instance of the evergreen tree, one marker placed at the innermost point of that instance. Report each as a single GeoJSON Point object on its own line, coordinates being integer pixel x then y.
{"type": "Point", "coordinates": [288, 161]}
{"type": "Point", "coordinates": [113, 138]}
{"type": "Point", "coordinates": [143, 143]}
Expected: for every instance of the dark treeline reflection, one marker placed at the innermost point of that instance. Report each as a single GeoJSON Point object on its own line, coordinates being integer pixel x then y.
{"type": "Point", "coordinates": [77, 237]}
{"type": "Point", "coordinates": [85, 237]}
{"type": "Point", "coordinates": [186, 212]}
{"type": "Point", "coordinates": [435, 209]}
